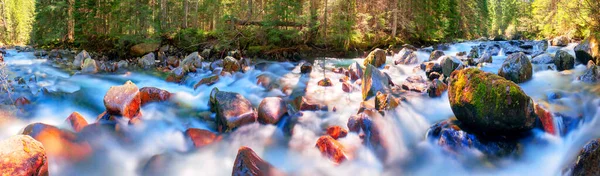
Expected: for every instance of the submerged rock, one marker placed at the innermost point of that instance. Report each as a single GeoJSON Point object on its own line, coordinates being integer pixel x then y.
{"type": "Point", "coordinates": [249, 163]}
{"type": "Point", "coordinates": [76, 121]}
{"type": "Point", "coordinates": [201, 138]}
{"type": "Point", "coordinates": [22, 155]}
{"type": "Point", "coordinates": [124, 100]}
{"type": "Point", "coordinates": [406, 56]}
{"type": "Point", "coordinates": [337, 132]}
{"type": "Point", "coordinates": [516, 68]}
{"type": "Point", "coordinates": [376, 58]}
{"type": "Point", "coordinates": [271, 110]}
{"type": "Point", "coordinates": [489, 103]}
{"type": "Point", "coordinates": [331, 148]}
{"type": "Point", "coordinates": [373, 81]}
{"type": "Point", "coordinates": [58, 143]}
{"type": "Point", "coordinates": [435, 55]}
{"type": "Point", "coordinates": [563, 60]}
{"type": "Point", "coordinates": [591, 74]}
{"type": "Point", "coordinates": [232, 109]}
{"type": "Point", "coordinates": [588, 49]}
{"type": "Point", "coordinates": [369, 125]}
{"type": "Point", "coordinates": [153, 94]}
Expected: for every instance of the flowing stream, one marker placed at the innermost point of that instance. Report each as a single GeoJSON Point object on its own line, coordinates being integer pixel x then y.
{"type": "Point", "coordinates": [56, 93]}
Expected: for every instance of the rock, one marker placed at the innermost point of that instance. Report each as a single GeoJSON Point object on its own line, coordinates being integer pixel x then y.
{"type": "Point", "coordinates": [207, 81]}
{"type": "Point", "coordinates": [485, 58]}
{"type": "Point", "coordinates": [302, 104]}
{"type": "Point", "coordinates": [415, 83]}
{"type": "Point", "coordinates": [588, 49]}
{"type": "Point", "coordinates": [516, 68]}
{"type": "Point", "coordinates": [22, 101]}
{"type": "Point", "coordinates": [337, 132]}
{"type": "Point", "coordinates": [176, 75]}
{"type": "Point", "coordinates": [193, 60]}
{"type": "Point", "coordinates": [89, 66]}
{"type": "Point", "coordinates": [143, 48]}
{"type": "Point", "coordinates": [449, 64]}
{"type": "Point", "coordinates": [436, 88]}
{"type": "Point", "coordinates": [560, 41]}
{"type": "Point", "coordinates": [563, 60]}
{"type": "Point", "coordinates": [489, 103]}
{"type": "Point", "coordinates": [376, 58]}
{"type": "Point", "coordinates": [58, 143]}
{"type": "Point", "coordinates": [76, 121]}
{"type": "Point", "coordinates": [79, 58]}
{"type": "Point", "coordinates": [435, 55]}
{"type": "Point", "coordinates": [249, 163]}
{"type": "Point", "coordinates": [461, 54]}
{"type": "Point", "coordinates": [591, 74]}
{"type": "Point", "coordinates": [543, 59]}
{"type": "Point", "coordinates": [499, 38]}
{"type": "Point", "coordinates": [346, 87]}
{"type": "Point", "coordinates": [268, 81]}
{"type": "Point", "coordinates": [237, 54]}
{"type": "Point", "coordinates": [453, 138]}
{"type": "Point", "coordinates": [271, 110]}
{"type": "Point", "coordinates": [306, 68]}
{"type": "Point", "coordinates": [124, 100]}
{"type": "Point", "coordinates": [153, 94]}
{"type": "Point", "coordinates": [431, 68]}
{"type": "Point", "coordinates": [406, 57]}
{"type": "Point", "coordinates": [201, 138]}
{"type": "Point", "coordinates": [355, 71]}
{"type": "Point", "coordinates": [547, 119]}
{"type": "Point", "coordinates": [40, 53]}
{"type": "Point", "coordinates": [231, 65]}
{"type": "Point", "coordinates": [158, 165]}
{"type": "Point", "coordinates": [206, 53]}
{"type": "Point", "coordinates": [147, 61]}
{"type": "Point", "coordinates": [369, 125]}
{"type": "Point", "coordinates": [173, 61]}
{"type": "Point", "coordinates": [122, 64]}
{"type": "Point", "coordinates": [232, 109]}
{"type": "Point", "coordinates": [384, 102]}
{"type": "Point", "coordinates": [325, 82]}
{"type": "Point", "coordinates": [22, 155]}
{"type": "Point", "coordinates": [373, 81]}
{"type": "Point", "coordinates": [474, 53]}
{"type": "Point", "coordinates": [588, 160]}
{"type": "Point", "coordinates": [331, 148]}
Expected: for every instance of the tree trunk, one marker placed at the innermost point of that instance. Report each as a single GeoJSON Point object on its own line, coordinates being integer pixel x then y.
{"type": "Point", "coordinates": [186, 12]}
{"type": "Point", "coordinates": [395, 18]}
{"type": "Point", "coordinates": [325, 21]}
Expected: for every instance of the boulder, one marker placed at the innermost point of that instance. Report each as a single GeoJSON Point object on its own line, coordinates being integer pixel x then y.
{"type": "Point", "coordinates": [231, 65]}
{"type": "Point", "coordinates": [147, 61]}
{"type": "Point", "coordinates": [271, 110]}
{"type": "Point", "coordinates": [23, 155]}
{"type": "Point", "coordinates": [384, 102]}
{"type": "Point", "coordinates": [588, 160]}
{"type": "Point", "coordinates": [563, 60]}
{"type": "Point", "coordinates": [76, 121]}
{"type": "Point", "coordinates": [331, 148]}
{"type": "Point", "coordinates": [436, 88]}
{"type": "Point", "coordinates": [337, 132]}
{"type": "Point", "coordinates": [376, 58]}
{"type": "Point", "coordinates": [153, 94]}
{"type": "Point", "coordinates": [89, 66]}
{"type": "Point", "coordinates": [249, 163]}
{"type": "Point", "coordinates": [449, 64]}
{"type": "Point", "coordinates": [201, 138]}
{"type": "Point", "coordinates": [406, 56]}
{"type": "Point", "coordinates": [193, 60]}
{"type": "Point", "coordinates": [232, 109]}
{"type": "Point", "coordinates": [370, 126]}
{"type": "Point", "coordinates": [516, 68]}
{"type": "Point", "coordinates": [58, 143]}
{"type": "Point", "coordinates": [268, 81]}
{"type": "Point", "coordinates": [543, 59]}
{"type": "Point", "coordinates": [489, 103]}
{"type": "Point", "coordinates": [435, 55]}
{"type": "Point", "coordinates": [431, 68]}
{"type": "Point", "coordinates": [588, 49]}
{"type": "Point", "coordinates": [373, 81]}
{"type": "Point", "coordinates": [143, 48]}
{"type": "Point", "coordinates": [124, 100]}
{"type": "Point", "coordinates": [79, 58]}
{"type": "Point", "coordinates": [591, 74]}
{"type": "Point", "coordinates": [560, 41]}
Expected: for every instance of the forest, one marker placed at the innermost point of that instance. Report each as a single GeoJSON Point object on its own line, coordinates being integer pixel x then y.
{"type": "Point", "coordinates": [265, 25]}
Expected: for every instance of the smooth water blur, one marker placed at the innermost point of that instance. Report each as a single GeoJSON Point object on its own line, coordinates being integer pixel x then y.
{"type": "Point", "coordinates": [405, 127]}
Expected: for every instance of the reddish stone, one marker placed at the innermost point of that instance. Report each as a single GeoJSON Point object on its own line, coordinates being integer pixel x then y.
{"type": "Point", "coordinates": [547, 119]}
{"type": "Point", "coordinates": [346, 87]}
{"type": "Point", "coordinates": [76, 121]}
{"type": "Point", "coordinates": [368, 124]}
{"type": "Point", "coordinates": [123, 100]}
{"type": "Point", "coordinates": [207, 81]}
{"type": "Point", "coordinates": [153, 94]}
{"type": "Point", "coordinates": [22, 155]}
{"type": "Point", "coordinates": [302, 104]}
{"type": "Point", "coordinates": [271, 109]}
{"type": "Point", "coordinates": [248, 163]}
{"type": "Point", "coordinates": [22, 101]}
{"type": "Point", "coordinates": [331, 148]}
{"type": "Point", "coordinates": [232, 110]}
{"type": "Point", "coordinates": [201, 138]}
{"type": "Point", "coordinates": [337, 132]}
{"type": "Point", "coordinates": [325, 82]}
{"type": "Point", "coordinates": [58, 143]}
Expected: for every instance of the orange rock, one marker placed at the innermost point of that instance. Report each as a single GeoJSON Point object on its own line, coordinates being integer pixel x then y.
{"type": "Point", "coordinates": [337, 132]}
{"type": "Point", "coordinates": [248, 163]}
{"type": "Point", "coordinates": [331, 148]}
{"type": "Point", "coordinates": [76, 121]}
{"type": "Point", "coordinates": [201, 137]}
{"type": "Point", "coordinates": [123, 100]}
{"type": "Point", "coordinates": [57, 142]}
{"type": "Point", "coordinates": [325, 82]}
{"type": "Point", "coordinates": [546, 118]}
{"type": "Point", "coordinates": [22, 155]}
{"type": "Point", "coordinates": [271, 109]}
{"type": "Point", "coordinates": [153, 94]}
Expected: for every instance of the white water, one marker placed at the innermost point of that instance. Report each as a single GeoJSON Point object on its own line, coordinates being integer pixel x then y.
{"type": "Point", "coordinates": [410, 154]}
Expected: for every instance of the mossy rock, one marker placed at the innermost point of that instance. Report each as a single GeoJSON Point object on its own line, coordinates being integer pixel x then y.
{"type": "Point", "coordinates": [563, 60]}
{"type": "Point", "coordinates": [376, 58]}
{"type": "Point", "coordinates": [516, 68]}
{"type": "Point", "coordinates": [489, 103]}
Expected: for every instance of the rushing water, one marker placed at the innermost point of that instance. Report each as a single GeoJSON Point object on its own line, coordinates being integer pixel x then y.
{"type": "Point", "coordinates": [410, 153]}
